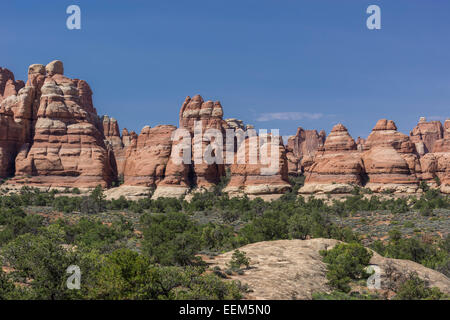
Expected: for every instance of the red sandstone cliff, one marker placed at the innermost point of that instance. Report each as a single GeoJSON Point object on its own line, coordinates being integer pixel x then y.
{"type": "Point", "coordinates": [54, 133]}
{"type": "Point", "coordinates": [301, 149]}
{"type": "Point", "coordinates": [51, 135]}
{"type": "Point", "coordinates": [336, 166]}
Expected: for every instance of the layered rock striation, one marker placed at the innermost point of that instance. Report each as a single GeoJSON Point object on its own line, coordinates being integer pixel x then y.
{"type": "Point", "coordinates": [51, 135]}
{"type": "Point", "coordinates": [54, 133]}
{"type": "Point", "coordinates": [387, 161]}
{"type": "Point", "coordinates": [336, 166]}
{"type": "Point", "coordinates": [301, 148]}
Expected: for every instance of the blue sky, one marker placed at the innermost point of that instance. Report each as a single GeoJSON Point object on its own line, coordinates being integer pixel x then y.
{"type": "Point", "coordinates": [274, 64]}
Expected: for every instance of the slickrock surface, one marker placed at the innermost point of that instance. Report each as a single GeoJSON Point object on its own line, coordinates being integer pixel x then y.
{"type": "Point", "coordinates": [293, 269]}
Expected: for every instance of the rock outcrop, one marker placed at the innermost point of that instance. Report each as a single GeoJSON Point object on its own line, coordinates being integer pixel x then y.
{"type": "Point", "coordinates": [115, 144]}
{"type": "Point", "coordinates": [263, 169]}
{"type": "Point", "coordinates": [147, 156]}
{"type": "Point", "coordinates": [8, 85]}
{"type": "Point", "coordinates": [51, 136]}
{"type": "Point", "coordinates": [301, 149]}
{"type": "Point", "coordinates": [390, 159]}
{"type": "Point", "coordinates": [435, 166]}
{"type": "Point", "coordinates": [235, 124]}
{"type": "Point", "coordinates": [61, 142]}
{"type": "Point", "coordinates": [336, 167]}
{"type": "Point", "coordinates": [11, 138]}
{"type": "Point", "coordinates": [425, 134]}
{"type": "Point", "coordinates": [297, 271]}
{"type": "Point", "coordinates": [196, 118]}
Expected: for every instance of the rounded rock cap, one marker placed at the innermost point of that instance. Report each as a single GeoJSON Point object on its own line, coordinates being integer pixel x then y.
{"type": "Point", "coordinates": [384, 124]}
{"type": "Point", "coordinates": [54, 67]}
{"type": "Point", "coordinates": [339, 128]}
{"type": "Point", "coordinates": [36, 68]}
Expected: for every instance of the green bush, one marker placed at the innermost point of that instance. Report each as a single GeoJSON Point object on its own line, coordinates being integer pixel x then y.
{"type": "Point", "coordinates": [238, 259]}
{"type": "Point", "coordinates": [170, 239]}
{"type": "Point", "coordinates": [125, 274]}
{"type": "Point", "coordinates": [431, 255]}
{"type": "Point", "coordinates": [414, 288]}
{"type": "Point", "coordinates": [346, 262]}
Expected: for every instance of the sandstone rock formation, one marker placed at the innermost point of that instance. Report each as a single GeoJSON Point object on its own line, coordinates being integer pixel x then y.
{"type": "Point", "coordinates": [235, 124]}
{"type": "Point", "coordinates": [196, 118]}
{"type": "Point", "coordinates": [301, 149]}
{"type": "Point", "coordinates": [435, 166]}
{"type": "Point", "coordinates": [297, 271]}
{"type": "Point", "coordinates": [51, 135]}
{"type": "Point", "coordinates": [61, 141]}
{"type": "Point", "coordinates": [8, 86]}
{"type": "Point", "coordinates": [425, 134]}
{"type": "Point", "coordinates": [147, 157]}
{"type": "Point", "coordinates": [336, 167]}
{"type": "Point", "coordinates": [11, 138]}
{"type": "Point", "coordinates": [360, 142]}
{"type": "Point", "coordinates": [390, 159]}
{"type": "Point", "coordinates": [263, 171]}
{"type": "Point", "coordinates": [114, 141]}
{"type": "Point", "coordinates": [387, 160]}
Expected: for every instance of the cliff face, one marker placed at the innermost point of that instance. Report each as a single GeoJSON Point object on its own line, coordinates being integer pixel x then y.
{"type": "Point", "coordinates": [301, 148]}
{"type": "Point", "coordinates": [51, 135]}
{"type": "Point", "coordinates": [386, 160]}
{"type": "Point", "coordinates": [336, 166]}
{"type": "Point", "coordinates": [256, 178]}
{"type": "Point", "coordinates": [146, 157]}
{"type": "Point", "coordinates": [436, 165]}
{"type": "Point", "coordinates": [390, 159]}
{"type": "Point", "coordinates": [425, 135]}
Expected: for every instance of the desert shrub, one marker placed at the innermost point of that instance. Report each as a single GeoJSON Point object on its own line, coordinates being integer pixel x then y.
{"type": "Point", "coordinates": [414, 288]}
{"type": "Point", "coordinates": [6, 286]}
{"type": "Point", "coordinates": [93, 234]}
{"type": "Point", "coordinates": [238, 259]}
{"type": "Point", "coordinates": [429, 254]}
{"type": "Point", "coordinates": [170, 239]}
{"type": "Point", "coordinates": [125, 274]}
{"type": "Point", "coordinates": [43, 259]}
{"type": "Point", "coordinates": [15, 222]}
{"type": "Point", "coordinates": [67, 204]}
{"type": "Point", "coordinates": [346, 262]}
{"type": "Point", "coordinates": [217, 237]}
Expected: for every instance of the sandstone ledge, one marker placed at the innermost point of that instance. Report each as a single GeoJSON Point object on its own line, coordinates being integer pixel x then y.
{"type": "Point", "coordinates": [322, 188]}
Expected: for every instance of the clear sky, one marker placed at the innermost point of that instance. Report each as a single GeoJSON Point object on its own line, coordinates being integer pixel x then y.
{"type": "Point", "coordinates": [274, 64]}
